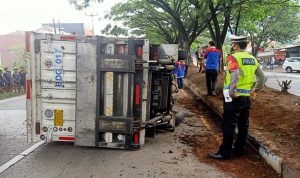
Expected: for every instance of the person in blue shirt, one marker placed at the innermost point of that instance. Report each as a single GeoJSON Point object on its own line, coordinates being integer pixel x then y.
{"type": "Point", "coordinates": [8, 81]}
{"type": "Point", "coordinates": [180, 67]}
{"type": "Point", "coordinates": [2, 85]}
{"type": "Point", "coordinates": [212, 57]}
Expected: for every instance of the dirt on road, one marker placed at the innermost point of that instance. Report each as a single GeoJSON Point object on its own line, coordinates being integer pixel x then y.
{"type": "Point", "coordinates": [204, 135]}
{"type": "Point", "coordinates": [274, 117]}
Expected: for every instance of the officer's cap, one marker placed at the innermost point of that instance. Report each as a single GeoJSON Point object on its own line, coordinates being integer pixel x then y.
{"type": "Point", "coordinates": [237, 39]}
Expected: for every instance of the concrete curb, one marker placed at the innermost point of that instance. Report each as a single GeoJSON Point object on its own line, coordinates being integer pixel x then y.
{"type": "Point", "coordinates": [275, 161]}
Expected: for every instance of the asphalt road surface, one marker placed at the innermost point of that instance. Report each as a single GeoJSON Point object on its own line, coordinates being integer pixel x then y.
{"type": "Point", "coordinates": [12, 128]}
{"type": "Point", "coordinates": [272, 82]}
{"type": "Point", "coordinates": [160, 157]}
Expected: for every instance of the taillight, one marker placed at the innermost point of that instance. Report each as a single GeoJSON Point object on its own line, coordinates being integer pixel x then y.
{"type": "Point", "coordinates": [28, 89]}
{"type": "Point", "coordinates": [136, 138]}
{"type": "Point", "coordinates": [63, 138]}
{"type": "Point", "coordinates": [137, 94]}
{"type": "Point", "coordinates": [140, 52]}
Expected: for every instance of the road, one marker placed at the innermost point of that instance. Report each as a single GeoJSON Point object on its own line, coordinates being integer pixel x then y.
{"type": "Point", "coordinates": [280, 74]}
{"type": "Point", "coordinates": [272, 78]}
{"type": "Point", "coordinates": [162, 156]}
{"type": "Point", "coordinates": [12, 128]}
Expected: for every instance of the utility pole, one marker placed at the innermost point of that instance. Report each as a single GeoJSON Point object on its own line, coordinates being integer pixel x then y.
{"type": "Point", "coordinates": [59, 27]}
{"type": "Point", "coordinates": [54, 26]}
{"type": "Point", "coordinates": [92, 18]}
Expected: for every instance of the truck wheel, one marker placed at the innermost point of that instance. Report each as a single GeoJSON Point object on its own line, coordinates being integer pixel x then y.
{"type": "Point", "coordinates": [288, 69]}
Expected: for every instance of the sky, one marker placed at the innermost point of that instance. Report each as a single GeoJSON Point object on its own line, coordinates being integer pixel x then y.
{"type": "Point", "coordinates": [30, 14]}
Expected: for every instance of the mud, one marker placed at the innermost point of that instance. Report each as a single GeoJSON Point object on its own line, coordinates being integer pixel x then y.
{"type": "Point", "coordinates": [203, 135]}
{"type": "Point", "coordinates": [275, 117]}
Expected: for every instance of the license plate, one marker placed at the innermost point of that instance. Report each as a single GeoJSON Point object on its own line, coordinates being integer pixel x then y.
{"type": "Point", "coordinates": [112, 125]}
{"type": "Point", "coordinates": [58, 117]}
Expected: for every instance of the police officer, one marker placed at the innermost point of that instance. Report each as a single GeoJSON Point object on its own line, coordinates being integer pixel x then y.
{"type": "Point", "coordinates": [242, 68]}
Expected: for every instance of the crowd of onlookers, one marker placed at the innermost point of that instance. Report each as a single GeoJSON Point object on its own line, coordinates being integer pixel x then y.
{"type": "Point", "coordinates": [12, 81]}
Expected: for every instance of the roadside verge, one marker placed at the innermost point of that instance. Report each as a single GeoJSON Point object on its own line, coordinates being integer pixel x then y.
{"type": "Point", "coordinates": [274, 160]}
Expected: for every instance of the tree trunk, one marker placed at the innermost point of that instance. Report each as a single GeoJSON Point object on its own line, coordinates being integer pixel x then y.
{"type": "Point", "coordinates": [185, 44]}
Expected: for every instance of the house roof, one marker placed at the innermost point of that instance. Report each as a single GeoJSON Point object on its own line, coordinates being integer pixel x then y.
{"type": "Point", "coordinates": [288, 46]}
{"type": "Point", "coordinates": [72, 28]}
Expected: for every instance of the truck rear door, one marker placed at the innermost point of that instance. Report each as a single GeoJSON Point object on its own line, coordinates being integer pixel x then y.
{"type": "Point", "coordinates": [52, 79]}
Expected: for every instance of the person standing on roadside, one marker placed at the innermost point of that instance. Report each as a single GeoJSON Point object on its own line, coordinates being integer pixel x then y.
{"type": "Point", "coordinates": [2, 84]}
{"type": "Point", "coordinates": [212, 57]}
{"type": "Point", "coordinates": [272, 63]}
{"type": "Point", "coordinates": [198, 55]}
{"type": "Point", "coordinates": [23, 79]}
{"type": "Point", "coordinates": [16, 80]}
{"type": "Point", "coordinates": [241, 72]}
{"type": "Point", "coordinates": [8, 80]}
{"type": "Point", "coordinates": [180, 66]}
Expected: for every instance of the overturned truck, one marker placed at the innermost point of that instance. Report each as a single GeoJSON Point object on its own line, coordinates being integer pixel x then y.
{"type": "Point", "coordinates": [98, 91]}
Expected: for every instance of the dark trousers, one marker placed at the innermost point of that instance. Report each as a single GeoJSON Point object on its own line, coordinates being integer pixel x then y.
{"type": "Point", "coordinates": [211, 80]}
{"type": "Point", "coordinates": [180, 83]}
{"type": "Point", "coordinates": [236, 114]}
{"type": "Point", "coordinates": [23, 85]}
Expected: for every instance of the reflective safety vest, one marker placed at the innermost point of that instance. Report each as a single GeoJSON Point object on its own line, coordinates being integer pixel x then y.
{"type": "Point", "coordinates": [247, 66]}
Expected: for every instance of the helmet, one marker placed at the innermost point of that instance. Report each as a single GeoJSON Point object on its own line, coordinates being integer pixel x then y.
{"type": "Point", "coordinates": [237, 39]}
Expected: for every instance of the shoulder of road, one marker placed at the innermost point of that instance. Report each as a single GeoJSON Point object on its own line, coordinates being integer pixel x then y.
{"type": "Point", "coordinates": [275, 161]}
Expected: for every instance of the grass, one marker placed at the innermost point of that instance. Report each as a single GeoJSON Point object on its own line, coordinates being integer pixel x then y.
{"type": "Point", "coordinates": [6, 95]}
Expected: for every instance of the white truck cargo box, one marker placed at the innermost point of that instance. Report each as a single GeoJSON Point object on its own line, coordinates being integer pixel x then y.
{"type": "Point", "coordinates": [94, 91]}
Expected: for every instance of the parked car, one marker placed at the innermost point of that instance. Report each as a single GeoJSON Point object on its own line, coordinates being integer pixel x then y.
{"type": "Point", "coordinates": [291, 64]}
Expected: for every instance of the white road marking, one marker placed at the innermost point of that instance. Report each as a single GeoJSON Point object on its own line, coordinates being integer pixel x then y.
{"type": "Point", "coordinates": [22, 155]}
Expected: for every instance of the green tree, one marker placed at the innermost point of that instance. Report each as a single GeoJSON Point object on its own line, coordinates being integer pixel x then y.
{"type": "Point", "coordinates": [269, 21]}
{"type": "Point", "coordinates": [162, 20]}
{"type": "Point", "coordinates": [82, 4]}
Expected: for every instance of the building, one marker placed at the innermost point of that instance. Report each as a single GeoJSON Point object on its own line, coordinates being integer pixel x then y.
{"type": "Point", "coordinates": [12, 47]}
{"type": "Point", "coordinates": [71, 28]}
{"type": "Point", "coordinates": [293, 51]}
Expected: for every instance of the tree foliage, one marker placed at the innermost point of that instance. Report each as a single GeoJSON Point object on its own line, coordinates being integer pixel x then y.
{"type": "Point", "coordinates": [182, 21]}
{"type": "Point", "coordinates": [82, 4]}
{"type": "Point", "coordinates": [162, 20]}
{"type": "Point", "coordinates": [266, 21]}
